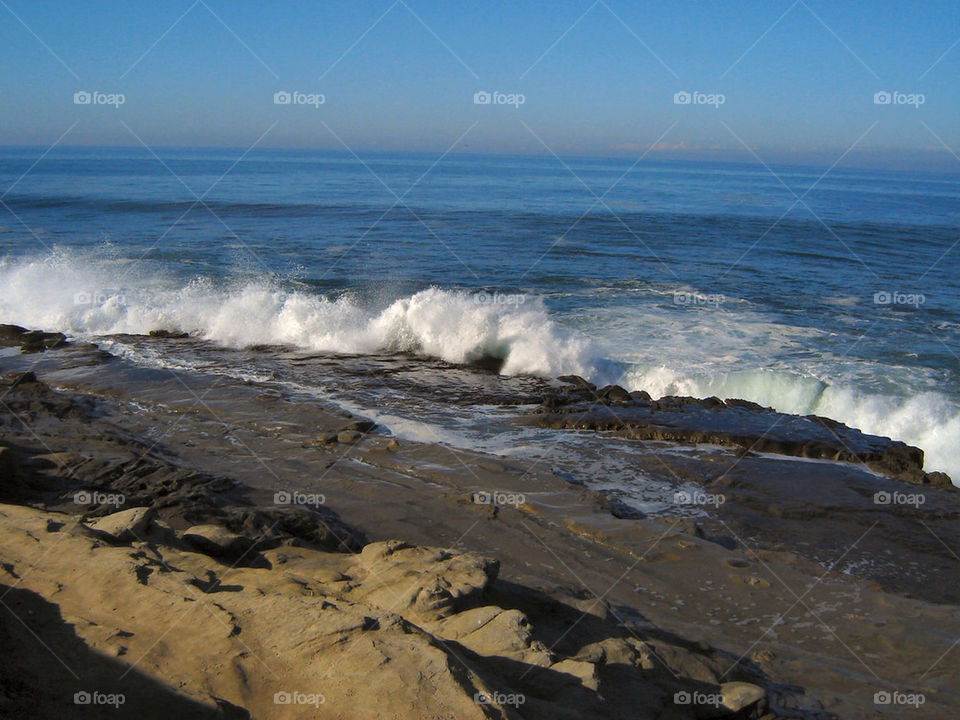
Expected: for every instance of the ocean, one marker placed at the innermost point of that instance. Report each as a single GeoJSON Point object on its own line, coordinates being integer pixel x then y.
{"type": "Point", "coordinates": [833, 293]}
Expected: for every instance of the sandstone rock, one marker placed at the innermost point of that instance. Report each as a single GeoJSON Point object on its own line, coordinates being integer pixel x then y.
{"type": "Point", "coordinates": [504, 632]}
{"type": "Point", "coordinates": [217, 541]}
{"type": "Point", "coordinates": [585, 672]}
{"type": "Point", "coordinates": [738, 695]}
{"type": "Point", "coordinates": [424, 583]}
{"type": "Point", "coordinates": [123, 526]}
{"type": "Point", "coordinates": [348, 436]}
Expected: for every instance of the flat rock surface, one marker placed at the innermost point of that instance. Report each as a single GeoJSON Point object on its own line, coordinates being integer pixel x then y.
{"type": "Point", "coordinates": [800, 582]}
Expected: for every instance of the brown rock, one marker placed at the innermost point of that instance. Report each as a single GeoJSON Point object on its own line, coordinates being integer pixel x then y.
{"type": "Point", "coordinates": [738, 695]}
{"type": "Point", "coordinates": [123, 526]}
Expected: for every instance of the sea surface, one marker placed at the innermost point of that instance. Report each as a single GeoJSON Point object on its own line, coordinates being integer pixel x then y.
{"type": "Point", "coordinates": [835, 293]}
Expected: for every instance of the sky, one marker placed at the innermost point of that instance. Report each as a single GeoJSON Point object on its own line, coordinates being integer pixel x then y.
{"type": "Point", "coordinates": [774, 81]}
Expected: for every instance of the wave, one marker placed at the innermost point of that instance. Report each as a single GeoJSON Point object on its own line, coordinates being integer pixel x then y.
{"type": "Point", "coordinates": [928, 420]}
{"type": "Point", "coordinates": [78, 293]}
{"type": "Point", "coordinates": [81, 297]}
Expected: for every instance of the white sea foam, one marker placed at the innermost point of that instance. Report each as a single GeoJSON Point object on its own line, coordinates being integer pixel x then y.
{"type": "Point", "coordinates": [88, 294]}
{"type": "Point", "coordinates": [63, 292]}
{"type": "Point", "coordinates": [928, 420]}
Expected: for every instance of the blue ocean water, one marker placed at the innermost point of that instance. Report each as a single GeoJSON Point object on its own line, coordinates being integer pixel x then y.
{"type": "Point", "coordinates": [834, 293]}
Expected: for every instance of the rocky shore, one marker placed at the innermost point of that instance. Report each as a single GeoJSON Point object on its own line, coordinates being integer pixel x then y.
{"type": "Point", "coordinates": [174, 543]}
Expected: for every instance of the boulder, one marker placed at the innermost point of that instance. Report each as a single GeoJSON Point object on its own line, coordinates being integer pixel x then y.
{"type": "Point", "coordinates": [442, 582]}
{"type": "Point", "coordinates": [38, 341]}
{"type": "Point", "coordinates": [738, 695]}
{"type": "Point", "coordinates": [348, 436]}
{"type": "Point", "coordinates": [123, 526]}
{"type": "Point", "coordinates": [614, 393]}
{"type": "Point", "coordinates": [577, 381]}
{"type": "Point", "coordinates": [10, 335]}
{"type": "Point", "coordinates": [362, 426]}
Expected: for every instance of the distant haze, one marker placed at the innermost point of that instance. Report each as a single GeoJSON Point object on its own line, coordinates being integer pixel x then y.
{"type": "Point", "coordinates": [808, 82]}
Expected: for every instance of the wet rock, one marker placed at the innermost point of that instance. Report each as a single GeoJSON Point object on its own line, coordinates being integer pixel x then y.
{"type": "Point", "coordinates": [747, 405]}
{"type": "Point", "coordinates": [551, 401]}
{"type": "Point", "coordinates": [362, 426]}
{"type": "Point", "coordinates": [10, 335]}
{"type": "Point", "coordinates": [578, 382]}
{"type": "Point", "coordinates": [348, 436]}
{"type": "Point", "coordinates": [623, 511]}
{"type": "Point", "coordinates": [614, 393]}
{"type": "Point", "coordinates": [25, 378]}
{"type": "Point", "coordinates": [123, 526]}
{"type": "Point", "coordinates": [38, 341]}
{"type": "Point", "coordinates": [488, 363]}
{"type": "Point", "coordinates": [169, 334]}
{"type": "Point", "coordinates": [745, 426]}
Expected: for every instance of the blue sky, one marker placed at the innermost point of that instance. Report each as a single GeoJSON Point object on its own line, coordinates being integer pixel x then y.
{"type": "Point", "coordinates": [597, 78]}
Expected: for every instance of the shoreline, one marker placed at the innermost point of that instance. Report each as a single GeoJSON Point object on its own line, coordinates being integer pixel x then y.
{"type": "Point", "coordinates": [699, 590]}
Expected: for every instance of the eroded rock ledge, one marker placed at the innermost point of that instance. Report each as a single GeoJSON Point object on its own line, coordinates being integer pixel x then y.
{"type": "Point", "coordinates": [739, 423]}
{"type": "Point", "coordinates": [394, 631]}
{"type": "Point", "coordinates": [193, 600]}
